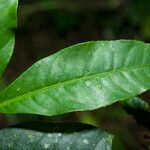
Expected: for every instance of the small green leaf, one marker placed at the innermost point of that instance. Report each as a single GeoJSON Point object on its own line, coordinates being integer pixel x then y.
{"type": "Point", "coordinates": [8, 21]}
{"type": "Point", "coordinates": [41, 136]}
{"type": "Point", "coordinates": [136, 103]}
{"type": "Point", "coordinates": [82, 77]}
{"type": "Point", "coordinates": [139, 109]}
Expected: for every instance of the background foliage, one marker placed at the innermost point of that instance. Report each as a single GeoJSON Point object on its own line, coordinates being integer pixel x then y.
{"type": "Point", "coordinates": [45, 26]}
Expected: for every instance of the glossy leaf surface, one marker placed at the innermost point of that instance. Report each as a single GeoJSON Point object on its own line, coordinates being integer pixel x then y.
{"type": "Point", "coordinates": [41, 136]}
{"type": "Point", "coordinates": [8, 21]}
{"type": "Point", "coordinates": [82, 77]}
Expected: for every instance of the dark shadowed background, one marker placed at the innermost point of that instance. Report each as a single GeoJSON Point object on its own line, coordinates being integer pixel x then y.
{"type": "Point", "coordinates": [46, 26]}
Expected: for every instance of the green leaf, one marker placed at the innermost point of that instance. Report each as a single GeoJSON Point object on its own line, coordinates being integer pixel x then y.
{"type": "Point", "coordinates": [55, 136]}
{"type": "Point", "coordinates": [136, 103]}
{"type": "Point", "coordinates": [82, 77]}
{"type": "Point", "coordinates": [8, 21]}
{"type": "Point", "coordinates": [139, 109]}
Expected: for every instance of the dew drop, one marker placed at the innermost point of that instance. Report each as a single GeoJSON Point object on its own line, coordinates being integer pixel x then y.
{"type": "Point", "coordinates": [10, 145]}
{"type": "Point", "coordinates": [18, 89]}
{"type": "Point", "coordinates": [56, 140]}
{"type": "Point", "coordinates": [99, 86]}
{"type": "Point", "coordinates": [88, 83]}
{"type": "Point", "coordinates": [68, 148]}
{"type": "Point", "coordinates": [46, 145]}
{"type": "Point", "coordinates": [85, 141]}
{"type": "Point", "coordinates": [49, 135]}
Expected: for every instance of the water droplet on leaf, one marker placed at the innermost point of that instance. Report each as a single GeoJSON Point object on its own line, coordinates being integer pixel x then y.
{"type": "Point", "coordinates": [88, 83]}
{"type": "Point", "coordinates": [18, 89]}
{"type": "Point", "coordinates": [85, 141]}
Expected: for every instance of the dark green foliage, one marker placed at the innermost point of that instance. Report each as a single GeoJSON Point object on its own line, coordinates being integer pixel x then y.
{"type": "Point", "coordinates": [49, 136]}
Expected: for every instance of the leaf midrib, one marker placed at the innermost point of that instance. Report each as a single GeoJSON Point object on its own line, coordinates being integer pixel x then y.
{"type": "Point", "coordinates": [72, 81]}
